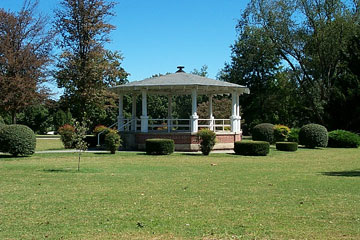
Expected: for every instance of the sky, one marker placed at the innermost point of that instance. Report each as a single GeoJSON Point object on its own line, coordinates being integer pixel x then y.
{"type": "Point", "coordinates": [159, 35]}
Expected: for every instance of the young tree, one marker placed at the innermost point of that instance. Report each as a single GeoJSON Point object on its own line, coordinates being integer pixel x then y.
{"type": "Point", "coordinates": [25, 46]}
{"type": "Point", "coordinates": [79, 137]}
{"type": "Point", "coordinates": [85, 68]}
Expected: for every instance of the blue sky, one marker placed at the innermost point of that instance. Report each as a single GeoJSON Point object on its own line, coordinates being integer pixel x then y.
{"type": "Point", "coordinates": [156, 36]}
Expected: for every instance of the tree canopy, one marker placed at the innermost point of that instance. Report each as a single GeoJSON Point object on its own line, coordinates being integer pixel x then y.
{"type": "Point", "coordinates": [25, 52]}
{"type": "Point", "coordinates": [296, 53]}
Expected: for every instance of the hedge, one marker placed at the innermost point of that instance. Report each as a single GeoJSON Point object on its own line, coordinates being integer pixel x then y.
{"type": "Point", "coordinates": [252, 148]}
{"type": "Point", "coordinates": [17, 140]}
{"type": "Point", "coordinates": [343, 139]}
{"type": "Point", "coordinates": [207, 140]}
{"type": "Point", "coordinates": [313, 135]}
{"type": "Point", "coordinates": [287, 146]}
{"type": "Point", "coordinates": [263, 132]}
{"type": "Point", "coordinates": [157, 146]}
{"type": "Point", "coordinates": [112, 142]}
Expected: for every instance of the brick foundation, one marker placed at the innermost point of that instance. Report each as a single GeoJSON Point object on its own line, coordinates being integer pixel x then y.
{"type": "Point", "coordinates": [183, 141]}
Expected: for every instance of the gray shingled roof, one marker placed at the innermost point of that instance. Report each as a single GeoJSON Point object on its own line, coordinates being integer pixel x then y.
{"type": "Point", "coordinates": [180, 83]}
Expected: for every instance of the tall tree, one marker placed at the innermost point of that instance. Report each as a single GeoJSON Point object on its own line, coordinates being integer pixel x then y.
{"type": "Point", "coordinates": [256, 63]}
{"type": "Point", "coordinates": [310, 39]}
{"type": "Point", "coordinates": [25, 46]}
{"type": "Point", "coordinates": [85, 68]}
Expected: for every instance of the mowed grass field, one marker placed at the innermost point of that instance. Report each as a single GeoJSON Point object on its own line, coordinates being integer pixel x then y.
{"type": "Point", "coordinates": [308, 194]}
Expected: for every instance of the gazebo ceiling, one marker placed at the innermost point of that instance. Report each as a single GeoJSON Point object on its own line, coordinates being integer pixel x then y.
{"type": "Point", "coordinates": [180, 83]}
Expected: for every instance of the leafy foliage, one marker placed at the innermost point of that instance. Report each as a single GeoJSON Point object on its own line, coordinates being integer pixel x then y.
{"type": "Point", "coordinates": [85, 68]}
{"type": "Point", "coordinates": [159, 146]}
{"type": "Point", "coordinates": [313, 135]}
{"type": "Point", "coordinates": [263, 132]}
{"type": "Point", "coordinates": [25, 46]}
{"type": "Point", "coordinates": [112, 141]}
{"type": "Point", "coordinates": [300, 60]}
{"type": "Point", "coordinates": [207, 140]}
{"type": "Point", "coordinates": [294, 135]}
{"type": "Point", "coordinates": [281, 132]}
{"type": "Point", "coordinates": [343, 139]}
{"type": "Point", "coordinates": [252, 148]}
{"type": "Point", "coordinates": [36, 117]}
{"type": "Point", "coordinates": [287, 146]}
{"type": "Point", "coordinates": [17, 140]}
{"type": "Point", "coordinates": [67, 133]}
{"type": "Point", "coordinates": [61, 118]}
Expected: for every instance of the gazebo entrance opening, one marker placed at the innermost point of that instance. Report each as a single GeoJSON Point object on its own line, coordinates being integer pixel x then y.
{"type": "Point", "coordinates": [179, 83]}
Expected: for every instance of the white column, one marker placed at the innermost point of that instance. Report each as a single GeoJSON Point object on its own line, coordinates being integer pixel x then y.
{"type": "Point", "coordinates": [233, 118]}
{"type": "Point", "coordinates": [194, 117]}
{"type": "Point", "coordinates": [144, 117]}
{"type": "Point", "coordinates": [169, 123]}
{"type": "Point", "coordinates": [133, 113]}
{"type": "Point", "coordinates": [238, 117]}
{"type": "Point", "coordinates": [211, 116]}
{"type": "Point", "coordinates": [121, 115]}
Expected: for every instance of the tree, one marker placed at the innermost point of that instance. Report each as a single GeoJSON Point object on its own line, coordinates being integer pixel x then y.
{"type": "Point", "coordinates": [79, 137]}
{"type": "Point", "coordinates": [25, 46]}
{"type": "Point", "coordinates": [309, 39]}
{"type": "Point", "coordinates": [85, 68]}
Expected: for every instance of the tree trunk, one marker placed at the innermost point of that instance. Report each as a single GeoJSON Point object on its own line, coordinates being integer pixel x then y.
{"type": "Point", "coordinates": [13, 117]}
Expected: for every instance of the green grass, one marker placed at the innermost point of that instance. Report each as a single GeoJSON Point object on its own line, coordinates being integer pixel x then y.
{"type": "Point", "coordinates": [308, 194]}
{"type": "Point", "coordinates": [48, 144]}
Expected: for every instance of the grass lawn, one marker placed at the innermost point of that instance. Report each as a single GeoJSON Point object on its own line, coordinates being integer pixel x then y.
{"type": "Point", "coordinates": [308, 194]}
{"type": "Point", "coordinates": [48, 144]}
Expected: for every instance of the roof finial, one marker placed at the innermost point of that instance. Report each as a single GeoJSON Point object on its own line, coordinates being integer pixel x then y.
{"type": "Point", "coordinates": [180, 69]}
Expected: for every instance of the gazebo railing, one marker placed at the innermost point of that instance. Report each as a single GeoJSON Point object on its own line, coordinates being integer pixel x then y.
{"type": "Point", "coordinates": [169, 125]}
{"type": "Point", "coordinates": [215, 125]}
{"type": "Point", "coordinates": [175, 125]}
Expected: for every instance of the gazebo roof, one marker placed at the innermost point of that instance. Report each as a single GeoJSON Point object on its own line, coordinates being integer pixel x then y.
{"type": "Point", "coordinates": [180, 83]}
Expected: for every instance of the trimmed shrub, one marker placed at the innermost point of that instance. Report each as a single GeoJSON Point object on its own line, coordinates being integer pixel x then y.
{"type": "Point", "coordinates": [263, 132]}
{"type": "Point", "coordinates": [67, 135]}
{"type": "Point", "coordinates": [343, 139]}
{"type": "Point", "coordinates": [281, 132]}
{"type": "Point", "coordinates": [17, 140]}
{"type": "Point", "coordinates": [252, 148]}
{"type": "Point", "coordinates": [207, 140]}
{"type": "Point", "coordinates": [112, 141]}
{"type": "Point", "coordinates": [157, 146]}
{"type": "Point", "coordinates": [287, 146]}
{"type": "Point", "coordinates": [313, 135]}
{"type": "Point", "coordinates": [294, 135]}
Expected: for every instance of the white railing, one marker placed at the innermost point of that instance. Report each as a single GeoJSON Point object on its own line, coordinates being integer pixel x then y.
{"type": "Point", "coordinates": [169, 125]}
{"type": "Point", "coordinates": [215, 125]}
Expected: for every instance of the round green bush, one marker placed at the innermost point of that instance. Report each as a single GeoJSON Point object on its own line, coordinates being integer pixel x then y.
{"type": "Point", "coordinates": [252, 148]}
{"type": "Point", "coordinates": [313, 135]}
{"type": "Point", "coordinates": [287, 146]}
{"type": "Point", "coordinates": [112, 141]}
{"type": "Point", "coordinates": [263, 132]}
{"type": "Point", "coordinates": [157, 146]}
{"type": "Point", "coordinates": [207, 140]}
{"type": "Point", "coordinates": [343, 139]}
{"type": "Point", "coordinates": [17, 140]}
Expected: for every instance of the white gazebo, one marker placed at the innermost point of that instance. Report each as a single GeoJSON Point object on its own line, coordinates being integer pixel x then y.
{"type": "Point", "coordinates": [136, 130]}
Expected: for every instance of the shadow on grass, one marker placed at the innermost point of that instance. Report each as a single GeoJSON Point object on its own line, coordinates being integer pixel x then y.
{"type": "Point", "coordinates": [103, 153]}
{"type": "Point", "coordinates": [352, 173]}
{"type": "Point", "coordinates": [59, 170]}
{"type": "Point", "coordinates": [6, 157]}
{"type": "Point", "coordinates": [192, 154]}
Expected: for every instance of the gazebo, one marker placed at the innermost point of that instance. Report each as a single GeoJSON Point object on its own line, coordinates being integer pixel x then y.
{"type": "Point", "coordinates": [135, 131]}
